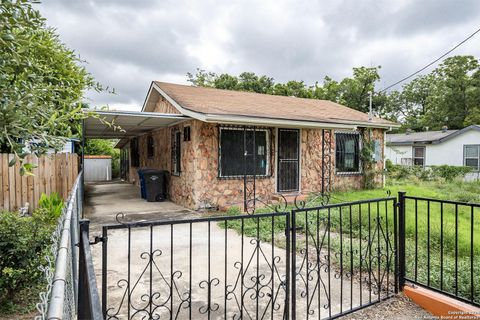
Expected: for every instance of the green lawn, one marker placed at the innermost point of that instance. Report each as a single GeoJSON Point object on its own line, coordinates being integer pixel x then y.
{"type": "Point", "coordinates": [356, 227]}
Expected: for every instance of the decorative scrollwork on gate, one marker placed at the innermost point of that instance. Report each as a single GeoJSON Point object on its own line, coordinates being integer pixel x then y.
{"type": "Point", "coordinates": [152, 304]}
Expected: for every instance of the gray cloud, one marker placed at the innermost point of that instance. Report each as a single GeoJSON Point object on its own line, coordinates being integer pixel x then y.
{"type": "Point", "coordinates": [130, 43]}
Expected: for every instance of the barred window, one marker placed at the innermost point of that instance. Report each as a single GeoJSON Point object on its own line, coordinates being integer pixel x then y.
{"type": "Point", "coordinates": [176, 152]}
{"type": "Point", "coordinates": [233, 144]}
{"type": "Point", "coordinates": [347, 155]}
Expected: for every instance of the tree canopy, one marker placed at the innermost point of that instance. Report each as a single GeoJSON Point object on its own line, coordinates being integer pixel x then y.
{"type": "Point", "coordinates": [447, 96]}
{"type": "Point", "coordinates": [41, 82]}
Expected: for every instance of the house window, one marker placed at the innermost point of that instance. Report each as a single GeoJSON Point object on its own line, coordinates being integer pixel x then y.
{"type": "Point", "coordinates": [347, 152]}
{"type": "Point", "coordinates": [176, 152]}
{"type": "Point", "coordinates": [150, 146]}
{"type": "Point", "coordinates": [135, 158]}
{"type": "Point", "coordinates": [419, 156]}
{"type": "Point", "coordinates": [471, 154]}
{"type": "Point", "coordinates": [243, 152]}
{"type": "Point", "coordinates": [186, 134]}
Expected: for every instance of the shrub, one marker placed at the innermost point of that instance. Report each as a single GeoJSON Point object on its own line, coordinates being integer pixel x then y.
{"type": "Point", "coordinates": [450, 173]}
{"type": "Point", "coordinates": [53, 205]}
{"type": "Point", "coordinates": [23, 243]}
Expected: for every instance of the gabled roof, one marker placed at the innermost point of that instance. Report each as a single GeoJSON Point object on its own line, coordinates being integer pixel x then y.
{"type": "Point", "coordinates": [227, 106]}
{"type": "Point", "coordinates": [426, 137]}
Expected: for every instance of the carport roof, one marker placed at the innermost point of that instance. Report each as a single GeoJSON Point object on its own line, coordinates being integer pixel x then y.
{"type": "Point", "coordinates": [132, 123]}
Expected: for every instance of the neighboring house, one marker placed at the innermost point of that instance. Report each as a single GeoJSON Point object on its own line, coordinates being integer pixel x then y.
{"type": "Point", "coordinates": [429, 148]}
{"type": "Point", "coordinates": [223, 147]}
{"type": "Point", "coordinates": [70, 146]}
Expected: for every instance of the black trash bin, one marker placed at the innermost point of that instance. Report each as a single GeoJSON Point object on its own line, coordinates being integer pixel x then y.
{"type": "Point", "coordinates": [155, 185]}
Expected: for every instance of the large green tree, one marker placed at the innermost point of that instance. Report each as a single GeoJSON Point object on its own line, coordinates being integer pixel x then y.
{"type": "Point", "coordinates": [448, 96]}
{"type": "Point", "coordinates": [42, 82]}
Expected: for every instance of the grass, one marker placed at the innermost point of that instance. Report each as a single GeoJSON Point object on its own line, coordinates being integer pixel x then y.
{"type": "Point", "coordinates": [424, 256]}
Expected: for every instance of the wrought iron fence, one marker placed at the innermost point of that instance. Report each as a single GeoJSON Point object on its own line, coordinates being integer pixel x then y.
{"type": "Point", "coordinates": [197, 268]}
{"type": "Point", "coordinates": [345, 257]}
{"type": "Point", "coordinates": [442, 246]}
{"type": "Point", "coordinates": [59, 299]}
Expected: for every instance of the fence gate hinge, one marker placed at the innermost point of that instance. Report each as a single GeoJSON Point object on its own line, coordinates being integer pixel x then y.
{"type": "Point", "coordinates": [98, 239]}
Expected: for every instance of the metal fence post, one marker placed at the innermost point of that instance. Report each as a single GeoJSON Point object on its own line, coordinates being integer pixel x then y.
{"type": "Point", "coordinates": [401, 239]}
{"type": "Point", "coordinates": [83, 294]}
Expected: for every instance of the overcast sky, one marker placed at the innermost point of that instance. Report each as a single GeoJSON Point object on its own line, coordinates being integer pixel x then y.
{"type": "Point", "coordinates": [129, 43]}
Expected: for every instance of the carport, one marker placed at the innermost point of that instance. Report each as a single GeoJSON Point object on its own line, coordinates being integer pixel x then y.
{"type": "Point", "coordinates": [122, 125]}
{"type": "Point", "coordinates": [126, 124]}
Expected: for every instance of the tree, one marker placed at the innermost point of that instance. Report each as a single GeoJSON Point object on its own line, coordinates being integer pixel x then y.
{"type": "Point", "coordinates": [354, 92]}
{"type": "Point", "coordinates": [448, 96]}
{"type": "Point", "coordinates": [41, 83]}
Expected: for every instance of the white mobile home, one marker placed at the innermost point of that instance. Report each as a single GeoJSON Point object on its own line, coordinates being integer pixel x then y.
{"type": "Point", "coordinates": [433, 148]}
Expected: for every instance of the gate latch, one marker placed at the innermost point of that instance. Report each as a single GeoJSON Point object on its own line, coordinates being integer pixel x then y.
{"type": "Point", "coordinates": [98, 239]}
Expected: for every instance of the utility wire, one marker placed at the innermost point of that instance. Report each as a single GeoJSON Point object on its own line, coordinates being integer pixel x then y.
{"type": "Point", "coordinates": [431, 63]}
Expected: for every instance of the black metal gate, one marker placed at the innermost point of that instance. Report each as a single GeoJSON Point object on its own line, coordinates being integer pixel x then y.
{"type": "Point", "coordinates": [232, 267]}
{"type": "Point", "coordinates": [319, 262]}
{"type": "Point", "coordinates": [345, 257]}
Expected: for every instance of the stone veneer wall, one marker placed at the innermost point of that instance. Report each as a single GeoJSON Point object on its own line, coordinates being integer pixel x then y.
{"type": "Point", "coordinates": [198, 185]}
{"type": "Point", "coordinates": [181, 188]}
{"type": "Point", "coordinates": [226, 192]}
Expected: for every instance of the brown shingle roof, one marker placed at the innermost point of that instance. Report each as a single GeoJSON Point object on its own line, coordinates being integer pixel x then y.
{"type": "Point", "coordinates": [227, 102]}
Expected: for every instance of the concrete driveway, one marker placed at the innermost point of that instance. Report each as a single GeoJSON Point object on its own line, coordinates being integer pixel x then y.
{"type": "Point", "coordinates": [104, 200]}
{"type": "Point", "coordinates": [152, 270]}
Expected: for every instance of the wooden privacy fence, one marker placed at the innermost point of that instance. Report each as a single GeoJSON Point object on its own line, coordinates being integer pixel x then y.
{"type": "Point", "coordinates": [54, 173]}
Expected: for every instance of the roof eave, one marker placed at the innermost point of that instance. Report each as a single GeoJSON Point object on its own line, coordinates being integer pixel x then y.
{"type": "Point", "coordinates": [237, 119]}
{"type": "Point", "coordinates": [244, 120]}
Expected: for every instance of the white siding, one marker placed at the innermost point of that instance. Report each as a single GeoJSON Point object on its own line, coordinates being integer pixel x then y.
{"type": "Point", "coordinates": [396, 153]}
{"type": "Point", "coordinates": [449, 152]}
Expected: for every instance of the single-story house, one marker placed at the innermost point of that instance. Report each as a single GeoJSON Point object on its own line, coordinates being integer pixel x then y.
{"type": "Point", "coordinates": [430, 148]}
{"type": "Point", "coordinates": [223, 148]}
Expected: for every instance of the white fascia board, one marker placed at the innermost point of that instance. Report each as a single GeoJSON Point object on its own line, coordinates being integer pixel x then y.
{"type": "Point", "coordinates": [148, 97]}
{"type": "Point", "coordinates": [182, 110]}
{"type": "Point", "coordinates": [244, 120]}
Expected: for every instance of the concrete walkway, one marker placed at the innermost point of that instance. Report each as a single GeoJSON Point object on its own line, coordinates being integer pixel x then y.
{"type": "Point", "coordinates": [164, 263]}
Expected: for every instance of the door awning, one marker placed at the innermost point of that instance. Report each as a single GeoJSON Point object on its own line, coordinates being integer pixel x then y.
{"type": "Point", "coordinates": [132, 123]}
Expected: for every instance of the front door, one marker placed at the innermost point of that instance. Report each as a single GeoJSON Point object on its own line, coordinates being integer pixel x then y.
{"type": "Point", "coordinates": [288, 160]}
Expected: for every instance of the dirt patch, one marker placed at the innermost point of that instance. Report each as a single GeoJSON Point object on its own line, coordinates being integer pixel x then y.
{"type": "Point", "coordinates": [396, 308]}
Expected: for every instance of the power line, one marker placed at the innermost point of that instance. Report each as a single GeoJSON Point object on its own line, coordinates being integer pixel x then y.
{"type": "Point", "coordinates": [433, 62]}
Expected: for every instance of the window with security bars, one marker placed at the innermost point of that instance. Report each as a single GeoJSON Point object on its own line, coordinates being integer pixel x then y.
{"type": "Point", "coordinates": [471, 154]}
{"type": "Point", "coordinates": [347, 155]}
{"type": "Point", "coordinates": [419, 156]}
{"type": "Point", "coordinates": [176, 152]}
{"type": "Point", "coordinates": [243, 152]}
